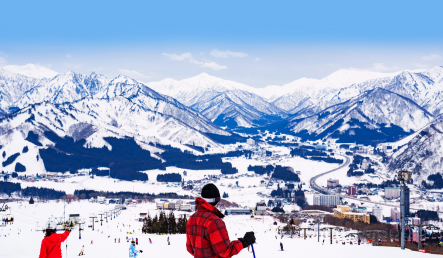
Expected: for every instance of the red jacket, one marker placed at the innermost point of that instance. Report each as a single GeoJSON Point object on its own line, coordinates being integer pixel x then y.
{"type": "Point", "coordinates": [51, 245]}
{"type": "Point", "coordinates": [206, 234]}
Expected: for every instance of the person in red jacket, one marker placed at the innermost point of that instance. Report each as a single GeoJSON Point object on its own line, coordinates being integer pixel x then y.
{"type": "Point", "coordinates": [206, 234]}
{"type": "Point", "coordinates": [51, 244]}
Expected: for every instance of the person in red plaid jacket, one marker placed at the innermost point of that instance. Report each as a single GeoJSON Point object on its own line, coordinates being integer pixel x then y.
{"type": "Point", "coordinates": [206, 234]}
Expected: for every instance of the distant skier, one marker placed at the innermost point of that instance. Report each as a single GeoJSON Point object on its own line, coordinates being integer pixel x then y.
{"type": "Point", "coordinates": [206, 233]}
{"type": "Point", "coordinates": [119, 240]}
{"type": "Point", "coordinates": [150, 241]}
{"type": "Point", "coordinates": [132, 251]}
{"type": "Point", "coordinates": [115, 240]}
{"type": "Point", "coordinates": [51, 243]}
{"type": "Point", "coordinates": [323, 242]}
{"type": "Point", "coordinates": [136, 241]}
{"type": "Point", "coordinates": [281, 246]}
{"type": "Point", "coordinates": [359, 241]}
{"type": "Point", "coordinates": [82, 251]}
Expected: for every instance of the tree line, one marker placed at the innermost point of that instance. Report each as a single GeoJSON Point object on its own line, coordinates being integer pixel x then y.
{"type": "Point", "coordinates": [310, 153]}
{"type": "Point", "coordinates": [261, 170]}
{"type": "Point", "coordinates": [285, 174]}
{"type": "Point", "coordinates": [164, 224]}
{"type": "Point", "coordinates": [172, 177]}
{"type": "Point", "coordinates": [87, 194]}
{"type": "Point", "coordinates": [43, 193]}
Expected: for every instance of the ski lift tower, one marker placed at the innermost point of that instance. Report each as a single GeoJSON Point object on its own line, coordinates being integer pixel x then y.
{"type": "Point", "coordinates": [80, 223]}
{"type": "Point", "coordinates": [92, 216]}
{"type": "Point", "coordinates": [403, 176]}
{"type": "Point", "coordinates": [420, 232]}
{"type": "Point", "coordinates": [319, 217]}
{"type": "Point", "coordinates": [330, 231]}
{"type": "Point", "coordinates": [101, 218]}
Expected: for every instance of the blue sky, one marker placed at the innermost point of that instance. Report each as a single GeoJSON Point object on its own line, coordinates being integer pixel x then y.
{"type": "Point", "coordinates": [255, 42]}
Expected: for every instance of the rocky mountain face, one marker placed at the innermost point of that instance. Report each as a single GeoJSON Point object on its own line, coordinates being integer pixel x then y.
{"type": "Point", "coordinates": [122, 102]}
{"type": "Point", "coordinates": [236, 108]}
{"type": "Point", "coordinates": [63, 88]}
{"type": "Point", "coordinates": [374, 116]}
{"type": "Point", "coordinates": [13, 86]}
{"type": "Point", "coordinates": [200, 88]}
{"type": "Point", "coordinates": [423, 155]}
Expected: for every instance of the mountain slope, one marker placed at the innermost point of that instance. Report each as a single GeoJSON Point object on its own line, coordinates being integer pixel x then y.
{"type": "Point", "coordinates": [13, 86]}
{"type": "Point", "coordinates": [148, 99]}
{"type": "Point", "coordinates": [425, 88]}
{"type": "Point", "coordinates": [67, 87]}
{"type": "Point", "coordinates": [374, 116]}
{"type": "Point", "coordinates": [91, 120]}
{"type": "Point", "coordinates": [305, 92]}
{"type": "Point", "coordinates": [423, 154]}
{"type": "Point", "coordinates": [238, 108]}
{"type": "Point", "coordinates": [200, 88]}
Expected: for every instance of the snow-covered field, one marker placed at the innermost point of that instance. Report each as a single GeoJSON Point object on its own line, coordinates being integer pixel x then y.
{"type": "Point", "coordinates": [22, 239]}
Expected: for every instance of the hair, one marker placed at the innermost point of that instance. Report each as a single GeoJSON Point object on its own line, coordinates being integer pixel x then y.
{"type": "Point", "coordinates": [49, 231]}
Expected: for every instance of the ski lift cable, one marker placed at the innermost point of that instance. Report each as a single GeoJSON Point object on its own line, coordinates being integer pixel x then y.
{"type": "Point", "coordinates": [15, 211]}
{"type": "Point", "coordinates": [27, 220]}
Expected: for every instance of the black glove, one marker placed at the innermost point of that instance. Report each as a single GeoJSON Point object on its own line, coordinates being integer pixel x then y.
{"type": "Point", "coordinates": [248, 239]}
{"type": "Point", "coordinates": [141, 251]}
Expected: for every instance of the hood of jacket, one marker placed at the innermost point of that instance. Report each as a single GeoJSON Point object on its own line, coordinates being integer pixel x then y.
{"type": "Point", "coordinates": [201, 204]}
{"type": "Point", "coordinates": [54, 238]}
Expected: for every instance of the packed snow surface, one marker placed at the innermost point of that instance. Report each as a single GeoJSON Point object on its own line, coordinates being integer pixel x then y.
{"type": "Point", "coordinates": [23, 238]}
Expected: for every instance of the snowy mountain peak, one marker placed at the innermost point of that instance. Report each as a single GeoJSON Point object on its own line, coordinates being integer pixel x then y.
{"type": "Point", "coordinates": [124, 79]}
{"type": "Point", "coordinates": [31, 70]}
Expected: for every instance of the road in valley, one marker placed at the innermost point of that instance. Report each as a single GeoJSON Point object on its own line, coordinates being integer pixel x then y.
{"type": "Point", "coordinates": [326, 191]}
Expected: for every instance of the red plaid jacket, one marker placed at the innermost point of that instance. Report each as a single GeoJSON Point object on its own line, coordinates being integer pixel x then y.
{"type": "Point", "coordinates": [206, 234]}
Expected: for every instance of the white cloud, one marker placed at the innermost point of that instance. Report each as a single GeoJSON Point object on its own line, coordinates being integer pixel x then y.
{"type": "Point", "coordinates": [68, 56]}
{"type": "Point", "coordinates": [227, 53]}
{"type": "Point", "coordinates": [431, 57]}
{"type": "Point", "coordinates": [214, 66]}
{"type": "Point", "coordinates": [190, 58]}
{"type": "Point", "coordinates": [134, 74]}
{"type": "Point", "coordinates": [257, 59]}
{"type": "Point", "coordinates": [2, 61]}
{"type": "Point", "coordinates": [177, 57]}
{"type": "Point", "coordinates": [208, 64]}
{"type": "Point", "coordinates": [381, 67]}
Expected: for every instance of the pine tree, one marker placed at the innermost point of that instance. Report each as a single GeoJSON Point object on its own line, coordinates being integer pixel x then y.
{"type": "Point", "coordinates": [172, 223]}
{"type": "Point", "coordinates": [155, 224]}
{"type": "Point", "coordinates": [147, 225]}
{"type": "Point", "coordinates": [163, 223]}
{"type": "Point", "coordinates": [181, 226]}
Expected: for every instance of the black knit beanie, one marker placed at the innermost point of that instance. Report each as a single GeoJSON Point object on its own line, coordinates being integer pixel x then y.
{"type": "Point", "coordinates": [211, 194]}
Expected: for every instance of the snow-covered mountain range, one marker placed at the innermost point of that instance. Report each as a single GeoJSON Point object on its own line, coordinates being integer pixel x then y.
{"type": "Point", "coordinates": [123, 103]}
{"type": "Point", "coordinates": [375, 115]}
{"type": "Point", "coordinates": [407, 99]}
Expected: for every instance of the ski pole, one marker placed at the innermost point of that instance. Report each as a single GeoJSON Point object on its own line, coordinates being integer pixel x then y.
{"type": "Point", "coordinates": [253, 252]}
